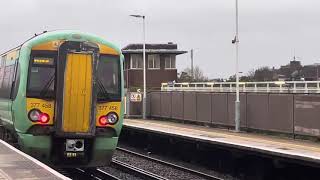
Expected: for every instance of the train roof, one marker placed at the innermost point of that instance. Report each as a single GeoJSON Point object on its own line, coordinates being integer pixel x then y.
{"type": "Point", "coordinates": [63, 35]}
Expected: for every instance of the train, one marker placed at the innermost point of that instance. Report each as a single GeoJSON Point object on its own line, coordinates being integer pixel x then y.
{"type": "Point", "coordinates": [61, 98]}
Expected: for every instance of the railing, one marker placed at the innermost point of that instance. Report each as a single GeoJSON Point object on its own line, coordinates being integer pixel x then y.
{"type": "Point", "coordinates": [270, 86]}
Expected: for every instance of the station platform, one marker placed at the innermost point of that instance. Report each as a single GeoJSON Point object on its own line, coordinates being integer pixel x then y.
{"type": "Point", "coordinates": [280, 146]}
{"type": "Point", "coordinates": [15, 164]}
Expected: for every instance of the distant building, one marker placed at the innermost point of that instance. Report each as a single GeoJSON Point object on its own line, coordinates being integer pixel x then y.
{"type": "Point", "coordinates": [290, 71]}
{"type": "Point", "coordinates": [160, 64]}
{"type": "Point", "coordinates": [295, 71]}
{"type": "Point", "coordinates": [311, 72]}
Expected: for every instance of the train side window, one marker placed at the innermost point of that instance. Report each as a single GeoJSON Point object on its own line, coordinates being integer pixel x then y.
{"type": "Point", "coordinates": [2, 67]}
{"type": "Point", "coordinates": [16, 81]}
{"type": "Point", "coordinates": [3, 61]}
{"type": "Point", "coordinates": [7, 81]}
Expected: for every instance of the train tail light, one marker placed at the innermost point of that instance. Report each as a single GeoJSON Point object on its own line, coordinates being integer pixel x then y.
{"type": "Point", "coordinates": [103, 120]}
{"type": "Point", "coordinates": [44, 118]}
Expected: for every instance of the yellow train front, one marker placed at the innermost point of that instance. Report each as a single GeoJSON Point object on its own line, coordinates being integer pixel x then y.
{"type": "Point", "coordinates": [66, 98]}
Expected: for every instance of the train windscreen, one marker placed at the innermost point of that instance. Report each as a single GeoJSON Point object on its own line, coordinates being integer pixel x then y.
{"type": "Point", "coordinates": [108, 78]}
{"type": "Point", "coordinates": [41, 77]}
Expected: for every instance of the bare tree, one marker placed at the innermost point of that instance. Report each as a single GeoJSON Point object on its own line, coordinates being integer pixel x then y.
{"type": "Point", "coordinates": [198, 75]}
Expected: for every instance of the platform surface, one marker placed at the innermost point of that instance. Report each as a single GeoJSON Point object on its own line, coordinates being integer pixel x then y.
{"type": "Point", "coordinates": [15, 164]}
{"type": "Point", "coordinates": [273, 145]}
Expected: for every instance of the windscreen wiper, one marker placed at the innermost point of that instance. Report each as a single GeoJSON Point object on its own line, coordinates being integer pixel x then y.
{"type": "Point", "coordinates": [102, 90]}
{"type": "Point", "coordinates": [46, 87]}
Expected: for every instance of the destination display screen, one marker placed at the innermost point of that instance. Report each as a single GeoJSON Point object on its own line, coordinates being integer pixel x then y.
{"type": "Point", "coordinates": [43, 60]}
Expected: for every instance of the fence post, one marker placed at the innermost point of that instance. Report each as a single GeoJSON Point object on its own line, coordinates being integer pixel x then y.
{"type": "Point", "coordinates": [305, 88]}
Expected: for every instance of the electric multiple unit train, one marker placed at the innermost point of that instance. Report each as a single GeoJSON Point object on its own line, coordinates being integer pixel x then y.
{"type": "Point", "coordinates": [61, 98]}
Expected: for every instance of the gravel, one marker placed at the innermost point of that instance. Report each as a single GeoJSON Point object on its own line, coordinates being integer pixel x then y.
{"type": "Point", "coordinates": [125, 157]}
{"type": "Point", "coordinates": [119, 173]}
{"type": "Point", "coordinates": [153, 167]}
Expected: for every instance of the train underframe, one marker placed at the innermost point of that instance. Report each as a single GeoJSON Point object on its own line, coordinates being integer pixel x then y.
{"type": "Point", "coordinates": [96, 151]}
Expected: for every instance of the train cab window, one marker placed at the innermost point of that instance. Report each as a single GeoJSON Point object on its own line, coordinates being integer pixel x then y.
{"type": "Point", "coordinates": [41, 78]}
{"type": "Point", "coordinates": [108, 78]}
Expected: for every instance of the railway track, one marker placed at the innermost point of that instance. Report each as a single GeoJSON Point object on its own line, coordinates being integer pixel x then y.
{"type": "Point", "coordinates": [136, 171]}
{"type": "Point", "coordinates": [99, 174]}
{"type": "Point", "coordinates": [175, 166]}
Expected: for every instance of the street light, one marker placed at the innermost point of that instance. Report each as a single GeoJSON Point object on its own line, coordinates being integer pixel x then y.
{"type": "Point", "coordinates": [237, 102]}
{"type": "Point", "coordinates": [144, 107]}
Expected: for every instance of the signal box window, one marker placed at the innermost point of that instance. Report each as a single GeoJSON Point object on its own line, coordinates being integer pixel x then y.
{"type": "Point", "coordinates": [154, 61]}
{"type": "Point", "coordinates": [136, 61]}
{"type": "Point", "coordinates": [170, 62]}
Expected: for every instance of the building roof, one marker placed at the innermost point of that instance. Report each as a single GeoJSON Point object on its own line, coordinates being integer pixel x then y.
{"type": "Point", "coordinates": [168, 48]}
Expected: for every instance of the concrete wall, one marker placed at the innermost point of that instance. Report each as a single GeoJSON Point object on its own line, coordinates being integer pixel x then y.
{"type": "Point", "coordinates": [189, 106]}
{"type": "Point", "coordinates": [307, 114]}
{"type": "Point", "coordinates": [219, 108]}
{"type": "Point", "coordinates": [284, 113]}
{"type": "Point", "coordinates": [280, 113]}
{"type": "Point", "coordinates": [177, 102]}
{"type": "Point", "coordinates": [203, 107]}
{"type": "Point", "coordinates": [166, 104]}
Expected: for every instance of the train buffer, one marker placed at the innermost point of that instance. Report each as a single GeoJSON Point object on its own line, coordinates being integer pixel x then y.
{"type": "Point", "coordinates": [297, 150]}
{"type": "Point", "coordinates": [15, 164]}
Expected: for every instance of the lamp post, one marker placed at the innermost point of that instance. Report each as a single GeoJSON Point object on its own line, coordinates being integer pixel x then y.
{"type": "Point", "coordinates": [144, 107]}
{"type": "Point", "coordinates": [237, 102]}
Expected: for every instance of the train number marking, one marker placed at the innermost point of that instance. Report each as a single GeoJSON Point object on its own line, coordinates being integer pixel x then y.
{"type": "Point", "coordinates": [110, 108]}
{"type": "Point", "coordinates": [35, 105]}
{"type": "Point", "coordinates": [46, 105]}
{"type": "Point", "coordinates": [38, 105]}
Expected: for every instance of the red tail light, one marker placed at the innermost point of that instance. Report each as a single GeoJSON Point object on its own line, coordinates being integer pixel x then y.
{"type": "Point", "coordinates": [103, 120]}
{"type": "Point", "coordinates": [44, 118]}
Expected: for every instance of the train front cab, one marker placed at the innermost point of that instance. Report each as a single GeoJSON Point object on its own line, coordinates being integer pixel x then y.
{"type": "Point", "coordinates": [73, 102]}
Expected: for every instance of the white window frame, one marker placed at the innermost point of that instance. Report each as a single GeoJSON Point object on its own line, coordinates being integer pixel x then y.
{"type": "Point", "coordinates": [153, 59]}
{"type": "Point", "coordinates": [165, 62]}
{"type": "Point", "coordinates": [136, 62]}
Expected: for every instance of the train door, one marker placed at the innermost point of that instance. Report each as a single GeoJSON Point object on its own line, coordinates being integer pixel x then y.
{"type": "Point", "coordinates": [77, 93]}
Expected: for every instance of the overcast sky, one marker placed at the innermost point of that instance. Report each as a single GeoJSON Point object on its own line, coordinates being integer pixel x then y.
{"type": "Point", "coordinates": [270, 30]}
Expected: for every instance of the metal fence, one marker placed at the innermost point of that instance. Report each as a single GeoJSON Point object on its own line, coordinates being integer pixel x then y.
{"type": "Point", "coordinates": [263, 87]}
{"type": "Point", "coordinates": [296, 114]}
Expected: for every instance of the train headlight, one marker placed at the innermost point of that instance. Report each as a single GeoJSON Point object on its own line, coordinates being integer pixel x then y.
{"type": "Point", "coordinates": [112, 118]}
{"type": "Point", "coordinates": [34, 115]}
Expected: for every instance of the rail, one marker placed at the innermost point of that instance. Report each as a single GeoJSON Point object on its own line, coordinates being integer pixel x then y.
{"type": "Point", "coordinates": [195, 172]}
{"type": "Point", "coordinates": [137, 171]}
{"type": "Point", "coordinates": [87, 173]}
{"type": "Point", "coordinates": [267, 87]}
